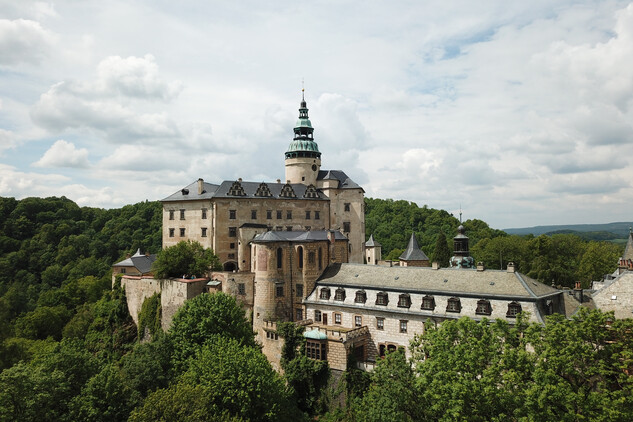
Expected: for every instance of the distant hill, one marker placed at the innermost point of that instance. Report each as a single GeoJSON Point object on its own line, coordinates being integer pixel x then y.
{"type": "Point", "coordinates": [608, 231]}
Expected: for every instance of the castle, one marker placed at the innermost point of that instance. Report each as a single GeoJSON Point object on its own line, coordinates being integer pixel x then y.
{"type": "Point", "coordinates": [294, 251]}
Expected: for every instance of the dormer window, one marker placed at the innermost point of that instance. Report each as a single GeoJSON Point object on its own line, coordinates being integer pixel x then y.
{"type": "Point", "coordinates": [236, 189]}
{"type": "Point", "coordinates": [339, 294]}
{"type": "Point", "coordinates": [287, 191]}
{"type": "Point", "coordinates": [382, 298]}
{"type": "Point", "coordinates": [428, 303]}
{"type": "Point", "coordinates": [483, 307]}
{"type": "Point", "coordinates": [325, 293]}
{"type": "Point", "coordinates": [404, 301]}
{"type": "Point", "coordinates": [311, 192]}
{"type": "Point", "coordinates": [514, 308]}
{"type": "Point", "coordinates": [454, 305]}
{"type": "Point", "coordinates": [263, 190]}
{"type": "Point", "coordinates": [361, 296]}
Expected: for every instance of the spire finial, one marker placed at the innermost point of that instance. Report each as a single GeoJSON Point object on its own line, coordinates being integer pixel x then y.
{"type": "Point", "coordinates": [460, 213]}
{"type": "Point", "coordinates": [303, 90]}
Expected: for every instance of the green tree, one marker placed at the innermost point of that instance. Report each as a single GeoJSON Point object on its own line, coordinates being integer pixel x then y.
{"type": "Point", "coordinates": [441, 253]}
{"type": "Point", "coordinates": [149, 318]}
{"type": "Point", "coordinates": [185, 258]}
{"type": "Point", "coordinates": [598, 259]}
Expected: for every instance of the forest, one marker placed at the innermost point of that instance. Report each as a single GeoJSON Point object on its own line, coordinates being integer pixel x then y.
{"type": "Point", "coordinates": [70, 351]}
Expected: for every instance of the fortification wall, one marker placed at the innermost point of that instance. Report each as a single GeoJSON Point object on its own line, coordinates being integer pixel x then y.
{"type": "Point", "coordinates": [137, 289]}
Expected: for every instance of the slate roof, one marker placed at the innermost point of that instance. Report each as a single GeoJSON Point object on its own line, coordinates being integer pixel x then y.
{"type": "Point", "coordinates": [222, 191]}
{"type": "Point", "coordinates": [143, 263]}
{"type": "Point", "coordinates": [371, 243]}
{"type": "Point", "coordinates": [344, 181]}
{"type": "Point", "coordinates": [413, 251]}
{"type": "Point", "coordinates": [446, 281]}
{"type": "Point", "coordinates": [296, 236]}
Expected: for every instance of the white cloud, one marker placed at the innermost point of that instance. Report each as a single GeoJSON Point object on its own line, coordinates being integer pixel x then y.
{"type": "Point", "coordinates": [23, 41]}
{"type": "Point", "coordinates": [64, 154]}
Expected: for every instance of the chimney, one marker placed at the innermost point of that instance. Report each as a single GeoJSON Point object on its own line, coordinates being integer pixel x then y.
{"type": "Point", "coordinates": [578, 291]}
{"type": "Point", "coordinates": [147, 253]}
{"type": "Point", "coordinates": [239, 180]}
{"type": "Point", "coordinates": [278, 180]}
{"type": "Point", "coordinates": [200, 186]}
{"type": "Point", "coordinates": [435, 265]}
{"type": "Point", "coordinates": [511, 268]}
{"type": "Point", "coordinates": [480, 266]}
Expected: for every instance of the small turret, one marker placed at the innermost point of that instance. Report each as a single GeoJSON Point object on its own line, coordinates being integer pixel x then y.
{"type": "Point", "coordinates": [303, 158]}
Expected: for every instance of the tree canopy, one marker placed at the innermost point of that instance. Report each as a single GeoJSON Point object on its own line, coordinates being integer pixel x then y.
{"type": "Point", "coordinates": [185, 259]}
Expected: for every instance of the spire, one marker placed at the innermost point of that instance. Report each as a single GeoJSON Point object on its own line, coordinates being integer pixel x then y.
{"type": "Point", "coordinates": [371, 243]}
{"type": "Point", "coordinates": [461, 256]}
{"type": "Point", "coordinates": [413, 251]}
{"type": "Point", "coordinates": [628, 250]}
{"type": "Point", "coordinates": [303, 144]}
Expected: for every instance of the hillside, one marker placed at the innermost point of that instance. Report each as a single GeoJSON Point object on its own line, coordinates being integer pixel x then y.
{"type": "Point", "coordinates": [620, 230]}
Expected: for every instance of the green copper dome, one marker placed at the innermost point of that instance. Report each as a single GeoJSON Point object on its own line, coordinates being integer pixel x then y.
{"type": "Point", "coordinates": [303, 144]}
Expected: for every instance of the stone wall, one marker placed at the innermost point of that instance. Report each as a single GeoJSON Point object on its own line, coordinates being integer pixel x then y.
{"type": "Point", "coordinates": [137, 289]}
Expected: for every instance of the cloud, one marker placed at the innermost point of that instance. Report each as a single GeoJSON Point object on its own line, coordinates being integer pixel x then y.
{"type": "Point", "coordinates": [64, 154]}
{"type": "Point", "coordinates": [7, 139]}
{"type": "Point", "coordinates": [23, 41]}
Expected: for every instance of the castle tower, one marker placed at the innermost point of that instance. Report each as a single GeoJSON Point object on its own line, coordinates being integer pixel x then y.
{"type": "Point", "coordinates": [461, 256]}
{"type": "Point", "coordinates": [413, 256]}
{"type": "Point", "coordinates": [373, 251]}
{"type": "Point", "coordinates": [303, 159]}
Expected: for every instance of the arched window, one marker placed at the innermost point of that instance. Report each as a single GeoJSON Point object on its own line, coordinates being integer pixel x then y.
{"type": "Point", "coordinates": [454, 305]}
{"type": "Point", "coordinates": [280, 256]}
{"type": "Point", "coordinates": [428, 303]}
{"type": "Point", "coordinates": [514, 308]}
{"type": "Point", "coordinates": [483, 307]}
{"type": "Point", "coordinates": [300, 253]}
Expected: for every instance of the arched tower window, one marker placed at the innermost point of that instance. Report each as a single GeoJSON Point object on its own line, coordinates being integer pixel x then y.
{"type": "Point", "coordinates": [300, 253]}
{"type": "Point", "coordinates": [280, 256]}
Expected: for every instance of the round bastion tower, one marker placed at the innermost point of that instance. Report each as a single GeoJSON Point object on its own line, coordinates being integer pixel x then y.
{"type": "Point", "coordinates": [303, 159]}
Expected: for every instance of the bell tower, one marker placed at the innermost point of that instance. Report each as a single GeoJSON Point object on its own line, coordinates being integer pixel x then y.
{"type": "Point", "coordinates": [303, 159]}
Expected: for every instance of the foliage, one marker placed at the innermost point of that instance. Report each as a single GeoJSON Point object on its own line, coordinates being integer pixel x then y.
{"type": "Point", "coordinates": [185, 259]}
{"type": "Point", "coordinates": [150, 316]}
{"type": "Point", "coordinates": [204, 318]}
{"type": "Point", "coordinates": [442, 253]}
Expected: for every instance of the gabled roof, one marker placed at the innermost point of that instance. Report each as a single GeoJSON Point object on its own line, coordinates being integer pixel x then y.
{"type": "Point", "coordinates": [413, 251]}
{"type": "Point", "coordinates": [190, 192]}
{"type": "Point", "coordinates": [344, 181]}
{"type": "Point", "coordinates": [296, 236]}
{"type": "Point", "coordinates": [371, 243]}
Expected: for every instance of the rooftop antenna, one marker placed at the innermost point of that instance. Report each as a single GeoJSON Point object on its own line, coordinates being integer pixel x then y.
{"type": "Point", "coordinates": [303, 90]}
{"type": "Point", "coordinates": [460, 213]}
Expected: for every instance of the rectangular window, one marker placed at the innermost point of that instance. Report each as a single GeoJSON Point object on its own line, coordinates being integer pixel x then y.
{"type": "Point", "coordinates": [253, 214]}
{"type": "Point", "coordinates": [358, 321]}
{"type": "Point", "coordinates": [204, 213]}
{"type": "Point", "coordinates": [317, 316]}
{"type": "Point", "coordinates": [317, 215]}
{"type": "Point", "coordinates": [232, 214]}
{"type": "Point", "coordinates": [231, 256]}
{"type": "Point", "coordinates": [182, 232]}
{"type": "Point", "coordinates": [171, 232]}
{"type": "Point", "coordinates": [279, 290]}
{"type": "Point", "coordinates": [299, 290]}
{"type": "Point", "coordinates": [241, 288]}
{"type": "Point", "coordinates": [269, 214]}
{"type": "Point", "coordinates": [231, 245]}
{"type": "Point", "coordinates": [337, 318]}
{"type": "Point", "coordinates": [232, 231]}
{"type": "Point", "coordinates": [307, 215]}
{"type": "Point", "coordinates": [347, 227]}
{"type": "Point", "coordinates": [122, 270]}
{"type": "Point", "coordinates": [380, 323]}
{"type": "Point", "coordinates": [347, 206]}
{"type": "Point", "coordinates": [315, 350]}
{"type": "Point", "coordinates": [171, 214]}
{"type": "Point", "coordinates": [403, 326]}
{"type": "Point", "coordinates": [204, 232]}
{"type": "Point", "coordinates": [278, 214]}
{"type": "Point", "coordinates": [311, 257]}
{"type": "Point", "coordinates": [182, 214]}
{"type": "Point", "coordinates": [288, 215]}
{"type": "Point", "coordinates": [299, 314]}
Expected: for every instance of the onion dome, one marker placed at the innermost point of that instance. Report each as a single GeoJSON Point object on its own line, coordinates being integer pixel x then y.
{"type": "Point", "coordinates": [303, 144]}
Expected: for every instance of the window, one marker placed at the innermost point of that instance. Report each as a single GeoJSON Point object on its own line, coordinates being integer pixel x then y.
{"type": "Point", "coordinates": [241, 289]}
{"type": "Point", "coordinates": [288, 215]}
{"type": "Point", "coordinates": [253, 214]}
{"type": "Point", "coordinates": [347, 227]}
{"type": "Point", "coordinates": [381, 350]}
{"type": "Point", "coordinates": [317, 215]}
{"type": "Point", "coordinates": [403, 326]}
{"type": "Point", "coordinates": [404, 301]}
{"type": "Point", "coordinates": [182, 232]}
{"type": "Point", "coordinates": [231, 245]}
{"type": "Point", "coordinates": [307, 215]}
{"type": "Point", "coordinates": [231, 256]}
{"type": "Point", "coordinates": [514, 308]}
{"type": "Point", "coordinates": [308, 228]}
{"type": "Point", "coordinates": [122, 270]}
{"type": "Point", "coordinates": [315, 350]}
{"type": "Point", "coordinates": [382, 298]}
{"type": "Point", "coordinates": [279, 290]}
{"type": "Point", "coordinates": [337, 318]}
{"type": "Point", "coordinates": [325, 293]}
{"type": "Point", "coordinates": [483, 307]}
{"type": "Point", "coordinates": [232, 214]}
{"type": "Point", "coordinates": [269, 214]}
{"type": "Point", "coordinates": [232, 231]}
{"type": "Point", "coordinates": [380, 323]}
{"type": "Point", "coordinates": [278, 214]}
{"type": "Point", "coordinates": [204, 213]}
{"type": "Point", "coordinates": [428, 302]}
{"type": "Point", "coordinates": [204, 232]}
{"type": "Point", "coordinates": [311, 258]}
{"type": "Point", "coordinates": [320, 259]}
{"type": "Point", "coordinates": [299, 314]}
{"type": "Point", "coordinates": [299, 290]}
{"type": "Point", "coordinates": [300, 256]}
{"type": "Point", "coordinates": [347, 206]}
{"type": "Point", "coordinates": [171, 232]}
{"type": "Point", "coordinates": [280, 256]}
{"type": "Point", "coordinates": [339, 294]}
{"type": "Point", "coordinates": [361, 296]}
{"type": "Point", "coordinates": [289, 228]}
{"type": "Point", "coordinates": [317, 316]}
{"type": "Point", "coordinates": [358, 321]}
{"type": "Point", "coordinates": [171, 214]}
{"type": "Point", "coordinates": [454, 305]}
{"type": "Point", "coordinates": [182, 214]}
{"type": "Point", "coordinates": [279, 228]}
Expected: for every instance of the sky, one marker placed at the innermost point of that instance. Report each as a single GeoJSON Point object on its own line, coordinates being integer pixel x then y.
{"type": "Point", "coordinates": [518, 112]}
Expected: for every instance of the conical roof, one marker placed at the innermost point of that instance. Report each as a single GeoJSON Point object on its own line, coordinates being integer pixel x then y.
{"type": "Point", "coordinates": [413, 252]}
{"type": "Point", "coordinates": [371, 243]}
{"type": "Point", "coordinates": [628, 250]}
